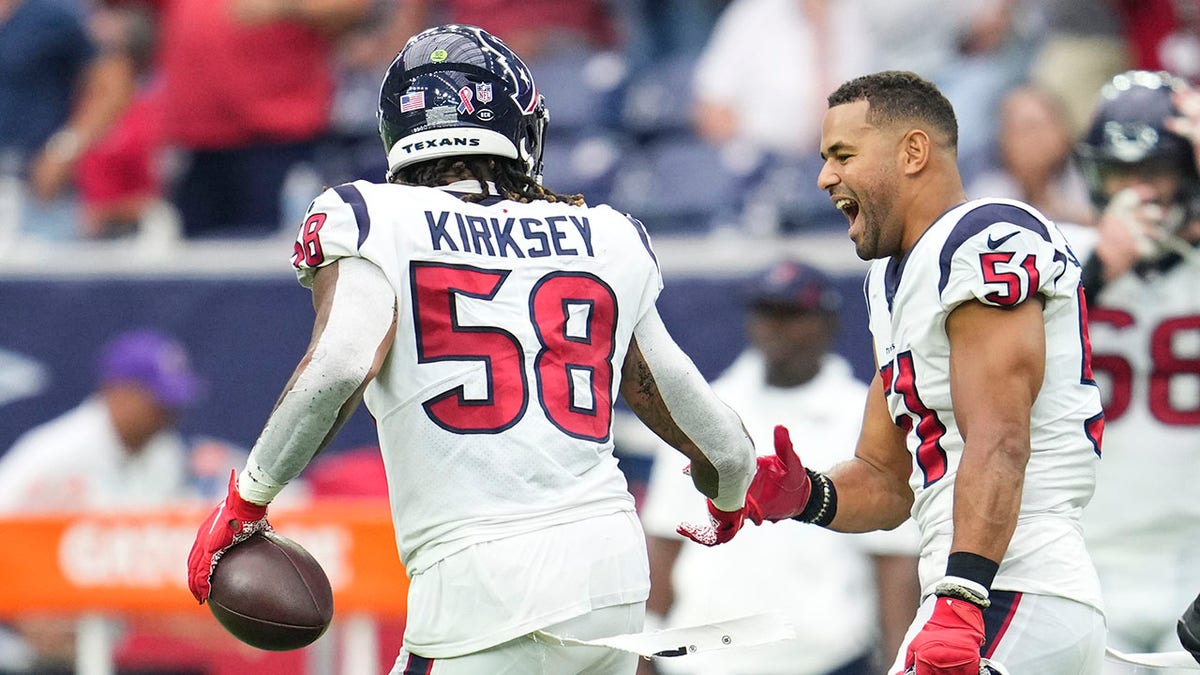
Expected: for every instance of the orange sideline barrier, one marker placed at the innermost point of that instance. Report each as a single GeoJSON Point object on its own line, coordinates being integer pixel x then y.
{"type": "Point", "coordinates": [137, 562]}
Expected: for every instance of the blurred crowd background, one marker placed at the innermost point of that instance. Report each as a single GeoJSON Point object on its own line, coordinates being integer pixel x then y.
{"type": "Point", "coordinates": [200, 119]}
{"type": "Point", "coordinates": [148, 146]}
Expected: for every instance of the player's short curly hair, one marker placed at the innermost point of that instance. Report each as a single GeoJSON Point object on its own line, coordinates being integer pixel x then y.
{"type": "Point", "coordinates": [897, 95]}
{"type": "Point", "coordinates": [512, 182]}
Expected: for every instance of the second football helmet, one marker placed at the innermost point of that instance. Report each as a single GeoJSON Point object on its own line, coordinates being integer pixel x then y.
{"type": "Point", "coordinates": [1128, 133]}
{"type": "Point", "coordinates": [459, 90]}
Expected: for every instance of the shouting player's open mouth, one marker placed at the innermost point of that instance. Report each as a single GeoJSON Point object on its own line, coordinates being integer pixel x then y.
{"type": "Point", "coordinates": [848, 207]}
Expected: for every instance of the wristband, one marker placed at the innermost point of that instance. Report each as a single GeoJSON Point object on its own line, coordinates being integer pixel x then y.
{"type": "Point", "coordinates": [962, 589]}
{"type": "Point", "coordinates": [822, 501]}
{"type": "Point", "coordinates": [972, 567]}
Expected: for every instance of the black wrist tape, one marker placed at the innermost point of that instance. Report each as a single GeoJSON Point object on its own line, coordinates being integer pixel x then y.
{"type": "Point", "coordinates": [822, 500]}
{"type": "Point", "coordinates": [973, 567]}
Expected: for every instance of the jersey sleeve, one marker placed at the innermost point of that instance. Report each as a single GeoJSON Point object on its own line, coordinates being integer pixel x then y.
{"type": "Point", "coordinates": [333, 228]}
{"type": "Point", "coordinates": [653, 279]}
{"type": "Point", "coordinates": [1002, 255]}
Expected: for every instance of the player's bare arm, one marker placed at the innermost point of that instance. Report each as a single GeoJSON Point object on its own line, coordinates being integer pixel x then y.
{"type": "Point", "coordinates": [665, 390]}
{"type": "Point", "coordinates": [873, 491]}
{"type": "Point", "coordinates": [997, 362]}
{"type": "Point", "coordinates": [352, 333]}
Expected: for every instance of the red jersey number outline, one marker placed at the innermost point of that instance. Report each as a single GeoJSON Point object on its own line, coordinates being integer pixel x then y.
{"type": "Point", "coordinates": [308, 247]}
{"type": "Point", "coordinates": [570, 350]}
{"type": "Point", "coordinates": [1165, 365]}
{"type": "Point", "coordinates": [1011, 280]}
{"type": "Point", "coordinates": [930, 456]}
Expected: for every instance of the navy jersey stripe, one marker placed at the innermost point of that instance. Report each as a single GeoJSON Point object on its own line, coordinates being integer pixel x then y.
{"type": "Point", "coordinates": [362, 217]}
{"type": "Point", "coordinates": [866, 289]}
{"type": "Point", "coordinates": [641, 230]}
{"type": "Point", "coordinates": [977, 220]}
{"type": "Point", "coordinates": [490, 200]}
{"type": "Point", "coordinates": [418, 665]}
{"type": "Point", "coordinates": [997, 618]}
{"type": "Point", "coordinates": [891, 278]}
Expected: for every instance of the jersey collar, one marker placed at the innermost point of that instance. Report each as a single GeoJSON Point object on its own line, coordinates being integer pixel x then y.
{"type": "Point", "coordinates": [468, 186]}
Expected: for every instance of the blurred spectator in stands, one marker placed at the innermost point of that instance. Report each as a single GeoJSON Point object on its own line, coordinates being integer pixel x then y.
{"type": "Point", "coordinates": [1034, 158]}
{"type": "Point", "coordinates": [350, 150]}
{"type": "Point", "coordinates": [119, 176]}
{"type": "Point", "coordinates": [119, 447]}
{"type": "Point", "coordinates": [1163, 35]}
{"type": "Point", "coordinates": [849, 597]}
{"type": "Point", "coordinates": [532, 28]}
{"type": "Point", "coordinates": [247, 91]}
{"type": "Point", "coordinates": [1081, 46]}
{"type": "Point", "coordinates": [59, 93]}
{"type": "Point", "coordinates": [758, 91]}
{"type": "Point", "coordinates": [763, 76]}
{"type": "Point", "coordinates": [972, 49]}
{"type": "Point", "coordinates": [657, 30]}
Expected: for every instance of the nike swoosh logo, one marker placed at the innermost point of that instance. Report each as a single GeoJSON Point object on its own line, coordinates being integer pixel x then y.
{"type": "Point", "coordinates": [995, 243]}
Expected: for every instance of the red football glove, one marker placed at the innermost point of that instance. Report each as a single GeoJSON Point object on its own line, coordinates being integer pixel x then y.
{"type": "Point", "coordinates": [950, 641]}
{"type": "Point", "coordinates": [233, 521]}
{"type": "Point", "coordinates": [780, 488]}
{"type": "Point", "coordinates": [721, 528]}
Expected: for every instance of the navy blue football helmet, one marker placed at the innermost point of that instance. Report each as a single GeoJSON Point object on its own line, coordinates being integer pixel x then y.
{"type": "Point", "coordinates": [1128, 133]}
{"type": "Point", "coordinates": [459, 90]}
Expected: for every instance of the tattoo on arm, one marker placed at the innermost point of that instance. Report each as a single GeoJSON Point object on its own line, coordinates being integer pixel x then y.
{"type": "Point", "coordinates": [641, 393]}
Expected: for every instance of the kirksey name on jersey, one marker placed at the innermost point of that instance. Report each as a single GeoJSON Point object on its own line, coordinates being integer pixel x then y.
{"type": "Point", "coordinates": [524, 237]}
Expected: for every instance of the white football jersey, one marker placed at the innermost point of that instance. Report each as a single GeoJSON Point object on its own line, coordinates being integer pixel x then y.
{"type": "Point", "coordinates": [494, 405]}
{"type": "Point", "coordinates": [1143, 526]}
{"type": "Point", "coordinates": [1000, 253]}
{"type": "Point", "coordinates": [1146, 351]}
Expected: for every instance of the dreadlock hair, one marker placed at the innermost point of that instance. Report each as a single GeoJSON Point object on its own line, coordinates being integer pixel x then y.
{"type": "Point", "coordinates": [895, 95]}
{"type": "Point", "coordinates": [510, 178]}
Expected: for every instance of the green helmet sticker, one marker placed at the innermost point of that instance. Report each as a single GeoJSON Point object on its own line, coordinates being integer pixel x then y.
{"type": "Point", "coordinates": [438, 55]}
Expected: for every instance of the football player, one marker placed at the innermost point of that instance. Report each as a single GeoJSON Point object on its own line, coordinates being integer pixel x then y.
{"type": "Point", "coordinates": [1143, 527]}
{"type": "Point", "coordinates": [982, 420]}
{"type": "Point", "coordinates": [489, 324]}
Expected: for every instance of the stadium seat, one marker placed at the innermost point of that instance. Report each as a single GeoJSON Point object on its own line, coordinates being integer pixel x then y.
{"type": "Point", "coordinates": [782, 197]}
{"type": "Point", "coordinates": [586, 165]}
{"type": "Point", "coordinates": [658, 100]}
{"type": "Point", "coordinates": [680, 184]}
{"type": "Point", "coordinates": [582, 88]}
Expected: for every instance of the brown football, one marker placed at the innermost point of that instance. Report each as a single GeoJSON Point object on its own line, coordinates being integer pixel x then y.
{"type": "Point", "coordinates": [271, 593]}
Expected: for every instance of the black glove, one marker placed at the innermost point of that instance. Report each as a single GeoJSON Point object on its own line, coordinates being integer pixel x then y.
{"type": "Point", "coordinates": [1188, 629]}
